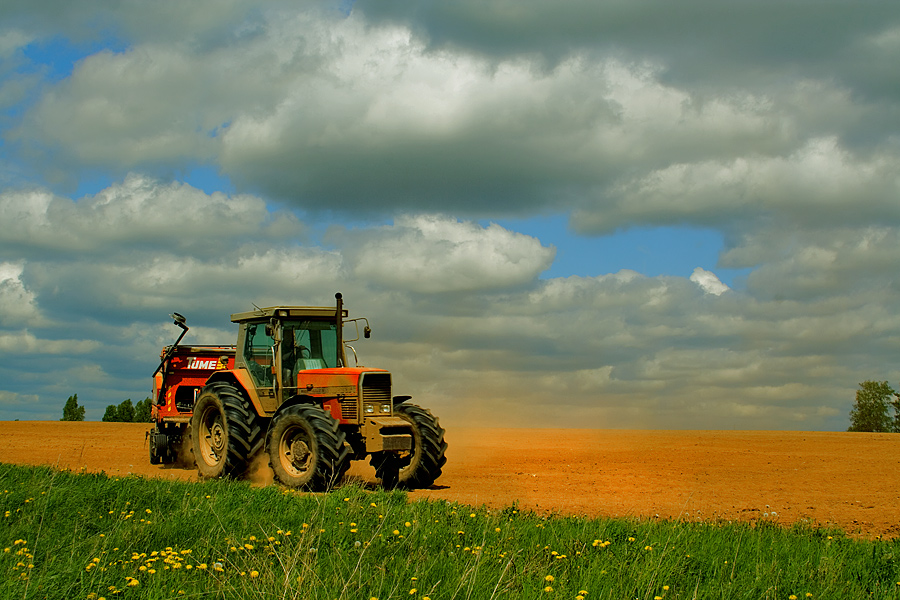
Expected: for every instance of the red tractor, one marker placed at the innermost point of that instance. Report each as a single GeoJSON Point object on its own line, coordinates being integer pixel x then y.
{"type": "Point", "coordinates": [286, 388]}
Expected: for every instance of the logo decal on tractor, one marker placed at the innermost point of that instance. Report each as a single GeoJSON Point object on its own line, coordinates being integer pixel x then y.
{"type": "Point", "coordinates": [202, 363]}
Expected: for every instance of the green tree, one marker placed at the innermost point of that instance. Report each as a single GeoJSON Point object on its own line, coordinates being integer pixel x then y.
{"type": "Point", "coordinates": [125, 412]}
{"type": "Point", "coordinates": [896, 404]}
{"type": "Point", "coordinates": [111, 414]}
{"type": "Point", "coordinates": [71, 411]}
{"type": "Point", "coordinates": [871, 410]}
{"type": "Point", "coordinates": [142, 412]}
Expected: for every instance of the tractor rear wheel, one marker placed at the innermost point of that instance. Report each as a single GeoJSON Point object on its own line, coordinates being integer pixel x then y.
{"type": "Point", "coordinates": [419, 467]}
{"type": "Point", "coordinates": [306, 448]}
{"type": "Point", "coordinates": [225, 432]}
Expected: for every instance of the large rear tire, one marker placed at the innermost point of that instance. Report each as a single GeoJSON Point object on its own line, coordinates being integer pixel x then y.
{"type": "Point", "coordinates": [421, 466]}
{"type": "Point", "coordinates": [306, 448]}
{"type": "Point", "coordinates": [225, 432]}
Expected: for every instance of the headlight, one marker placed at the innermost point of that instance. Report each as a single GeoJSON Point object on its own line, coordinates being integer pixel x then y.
{"type": "Point", "coordinates": [369, 408]}
{"type": "Point", "coordinates": [386, 408]}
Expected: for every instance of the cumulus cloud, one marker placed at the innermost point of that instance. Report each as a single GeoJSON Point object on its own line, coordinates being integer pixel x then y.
{"type": "Point", "coordinates": [708, 281]}
{"type": "Point", "coordinates": [434, 254]}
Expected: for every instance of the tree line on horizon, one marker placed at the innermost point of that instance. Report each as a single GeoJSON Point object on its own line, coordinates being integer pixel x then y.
{"type": "Point", "coordinates": [872, 408]}
{"type": "Point", "coordinates": [125, 412]}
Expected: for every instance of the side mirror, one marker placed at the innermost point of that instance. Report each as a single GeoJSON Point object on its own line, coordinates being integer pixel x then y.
{"type": "Point", "coordinates": [367, 332]}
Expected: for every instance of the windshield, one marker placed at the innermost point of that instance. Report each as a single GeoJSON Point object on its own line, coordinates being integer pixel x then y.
{"type": "Point", "coordinates": [309, 345]}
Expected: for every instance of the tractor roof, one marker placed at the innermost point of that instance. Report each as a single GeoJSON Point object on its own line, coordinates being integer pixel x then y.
{"type": "Point", "coordinates": [309, 312]}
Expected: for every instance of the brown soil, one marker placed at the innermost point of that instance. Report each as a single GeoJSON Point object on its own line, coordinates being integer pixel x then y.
{"type": "Point", "coordinates": [849, 480]}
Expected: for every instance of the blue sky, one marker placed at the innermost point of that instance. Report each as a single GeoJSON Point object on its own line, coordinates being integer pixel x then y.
{"type": "Point", "coordinates": [655, 215]}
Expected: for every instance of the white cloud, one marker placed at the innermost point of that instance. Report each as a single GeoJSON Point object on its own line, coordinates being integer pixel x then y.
{"type": "Point", "coordinates": [17, 304]}
{"type": "Point", "coordinates": [23, 342]}
{"type": "Point", "coordinates": [434, 254]}
{"type": "Point", "coordinates": [708, 281]}
{"type": "Point", "coordinates": [140, 211]}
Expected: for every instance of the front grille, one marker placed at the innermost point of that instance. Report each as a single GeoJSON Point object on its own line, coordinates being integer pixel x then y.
{"type": "Point", "coordinates": [376, 387]}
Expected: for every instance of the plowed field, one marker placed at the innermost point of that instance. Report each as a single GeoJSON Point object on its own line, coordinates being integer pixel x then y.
{"type": "Point", "coordinates": [843, 479]}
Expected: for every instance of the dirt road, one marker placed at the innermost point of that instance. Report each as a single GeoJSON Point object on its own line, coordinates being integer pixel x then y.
{"type": "Point", "coordinates": [844, 479]}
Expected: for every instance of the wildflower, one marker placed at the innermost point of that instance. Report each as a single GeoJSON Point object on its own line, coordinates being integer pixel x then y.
{"type": "Point", "coordinates": [549, 578]}
{"type": "Point", "coordinates": [413, 591]}
{"type": "Point", "coordinates": [548, 589]}
{"type": "Point", "coordinates": [254, 574]}
{"type": "Point", "coordinates": [792, 597]}
{"type": "Point", "coordinates": [132, 582]}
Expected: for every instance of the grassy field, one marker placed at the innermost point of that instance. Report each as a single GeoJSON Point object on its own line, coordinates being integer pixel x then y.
{"type": "Point", "coordinates": [69, 535]}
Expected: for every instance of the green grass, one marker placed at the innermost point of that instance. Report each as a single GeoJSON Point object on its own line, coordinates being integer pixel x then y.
{"type": "Point", "coordinates": [68, 535]}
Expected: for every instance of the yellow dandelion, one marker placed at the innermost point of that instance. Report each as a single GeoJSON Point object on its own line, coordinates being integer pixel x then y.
{"type": "Point", "coordinates": [548, 589]}
{"type": "Point", "coordinates": [254, 574]}
{"type": "Point", "coordinates": [413, 591]}
{"type": "Point", "coordinates": [549, 578]}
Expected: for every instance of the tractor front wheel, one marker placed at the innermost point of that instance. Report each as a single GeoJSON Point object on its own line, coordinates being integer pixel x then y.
{"type": "Point", "coordinates": [225, 432]}
{"type": "Point", "coordinates": [419, 467]}
{"type": "Point", "coordinates": [306, 448]}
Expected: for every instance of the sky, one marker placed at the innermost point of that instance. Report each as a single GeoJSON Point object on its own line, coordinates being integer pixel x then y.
{"type": "Point", "coordinates": [603, 214]}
